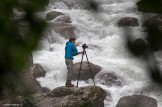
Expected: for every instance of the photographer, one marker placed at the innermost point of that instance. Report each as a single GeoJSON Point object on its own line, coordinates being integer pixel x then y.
{"type": "Point", "coordinates": [70, 51]}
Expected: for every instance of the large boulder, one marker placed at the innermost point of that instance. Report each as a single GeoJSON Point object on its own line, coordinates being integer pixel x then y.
{"type": "Point", "coordinates": [91, 96]}
{"type": "Point", "coordinates": [110, 79]}
{"type": "Point", "coordinates": [52, 15]}
{"type": "Point", "coordinates": [137, 101]}
{"type": "Point", "coordinates": [85, 73]}
{"type": "Point", "coordinates": [38, 71]}
{"type": "Point", "coordinates": [128, 21]}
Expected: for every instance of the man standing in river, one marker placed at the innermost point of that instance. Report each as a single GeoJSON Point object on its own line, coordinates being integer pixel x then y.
{"type": "Point", "coordinates": [70, 51]}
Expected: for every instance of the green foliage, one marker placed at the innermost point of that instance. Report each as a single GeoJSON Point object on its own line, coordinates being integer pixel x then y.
{"type": "Point", "coordinates": [150, 6]}
{"type": "Point", "coordinates": [19, 35]}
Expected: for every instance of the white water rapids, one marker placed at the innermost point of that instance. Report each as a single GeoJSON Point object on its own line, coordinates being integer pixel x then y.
{"type": "Point", "coordinates": [106, 48]}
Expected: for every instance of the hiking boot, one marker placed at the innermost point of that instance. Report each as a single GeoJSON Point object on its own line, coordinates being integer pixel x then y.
{"type": "Point", "coordinates": [69, 84]}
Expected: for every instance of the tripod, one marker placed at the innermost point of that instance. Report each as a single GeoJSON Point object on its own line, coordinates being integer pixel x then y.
{"type": "Point", "coordinates": [84, 52]}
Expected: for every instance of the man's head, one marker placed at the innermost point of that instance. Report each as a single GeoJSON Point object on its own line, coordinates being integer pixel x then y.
{"type": "Point", "coordinates": [72, 40]}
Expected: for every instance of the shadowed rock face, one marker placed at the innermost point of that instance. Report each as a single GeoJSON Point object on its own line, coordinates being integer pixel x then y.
{"type": "Point", "coordinates": [128, 21]}
{"type": "Point", "coordinates": [137, 101]}
{"type": "Point", "coordinates": [85, 73]}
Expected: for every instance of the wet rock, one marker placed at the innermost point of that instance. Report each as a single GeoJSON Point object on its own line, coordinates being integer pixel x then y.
{"type": "Point", "coordinates": [63, 19]}
{"type": "Point", "coordinates": [85, 73]}
{"type": "Point", "coordinates": [110, 79]}
{"type": "Point", "coordinates": [52, 15]}
{"type": "Point", "coordinates": [91, 96]}
{"type": "Point", "coordinates": [137, 101]}
{"type": "Point", "coordinates": [38, 71]}
{"type": "Point", "coordinates": [128, 21]}
{"type": "Point", "coordinates": [151, 88]}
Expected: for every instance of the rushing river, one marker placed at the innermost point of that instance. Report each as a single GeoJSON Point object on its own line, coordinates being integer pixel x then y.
{"type": "Point", "coordinates": [106, 48]}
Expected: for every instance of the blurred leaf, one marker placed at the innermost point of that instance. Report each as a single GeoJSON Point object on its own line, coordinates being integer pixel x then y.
{"type": "Point", "coordinates": [150, 6]}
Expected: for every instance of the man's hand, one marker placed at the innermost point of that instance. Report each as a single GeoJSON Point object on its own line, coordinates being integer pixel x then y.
{"type": "Point", "coordinates": [82, 52]}
{"type": "Point", "coordinates": [77, 44]}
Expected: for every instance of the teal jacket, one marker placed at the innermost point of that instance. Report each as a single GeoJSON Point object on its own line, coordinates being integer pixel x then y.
{"type": "Point", "coordinates": [70, 50]}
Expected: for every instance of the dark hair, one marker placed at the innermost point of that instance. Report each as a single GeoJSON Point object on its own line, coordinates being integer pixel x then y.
{"type": "Point", "coordinates": [71, 39]}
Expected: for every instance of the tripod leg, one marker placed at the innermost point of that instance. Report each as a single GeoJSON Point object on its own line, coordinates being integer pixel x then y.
{"type": "Point", "coordinates": [80, 69]}
{"type": "Point", "coordinates": [90, 68]}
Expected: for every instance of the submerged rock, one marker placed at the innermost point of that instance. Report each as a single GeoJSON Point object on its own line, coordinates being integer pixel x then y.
{"type": "Point", "coordinates": [74, 4]}
{"type": "Point", "coordinates": [128, 21]}
{"type": "Point", "coordinates": [66, 30]}
{"type": "Point", "coordinates": [110, 79]}
{"type": "Point", "coordinates": [63, 19]}
{"type": "Point", "coordinates": [137, 101]}
{"type": "Point", "coordinates": [85, 73]}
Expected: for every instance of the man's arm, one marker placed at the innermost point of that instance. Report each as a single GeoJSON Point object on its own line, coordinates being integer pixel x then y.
{"type": "Point", "coordinates": [75, 50]}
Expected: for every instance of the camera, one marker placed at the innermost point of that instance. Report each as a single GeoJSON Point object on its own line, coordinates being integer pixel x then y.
{"type": "Point", "coordinates": [84, 46]}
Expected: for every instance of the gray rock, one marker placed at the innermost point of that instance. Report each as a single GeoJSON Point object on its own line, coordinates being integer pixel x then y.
{"type": "Point", "coordinates": [52, 15]}
{"type": "Point", "coordinates": [63, 19]}
{"type": "Point", "coordinates": [137, 101]}
{"type": "Point", "coordinates": [110, 79]}
{"type": "Point", "coordinates": [91, 96]}
{"type": "Point", "coordinates": [128, 21]}
{"type": "Point", "coordinates": [38, 71]}
{"type": "Point", "coordinates": [85, 73]}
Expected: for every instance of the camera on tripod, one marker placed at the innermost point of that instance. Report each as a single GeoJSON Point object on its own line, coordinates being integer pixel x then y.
{"type": "Point", "coordinates": [84, 46]}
